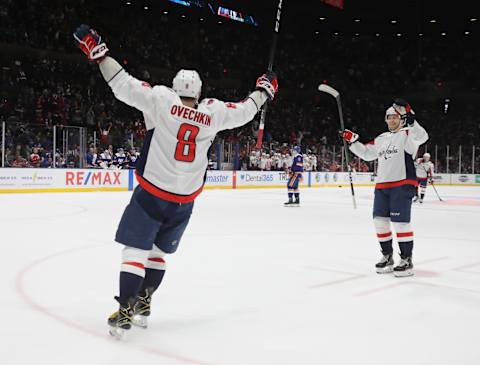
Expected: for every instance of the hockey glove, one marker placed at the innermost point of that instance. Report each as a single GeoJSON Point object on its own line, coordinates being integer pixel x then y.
{"type": "Point", "coordinates": [268, 83]}
{"type": "Point", "coordinates": [349, 136]}
{"type": "Point", "coordinates": [90, 42]}
{"type": "Point", "coordinates": [404, 109]}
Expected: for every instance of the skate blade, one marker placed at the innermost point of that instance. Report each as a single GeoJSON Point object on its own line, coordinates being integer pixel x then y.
{"type": "Point", "coordinates": [384, 270]}
{"type": "Point", "coordinates": [402, 274]}
{"type": "Point", "coordinates": [140, 321]}
{"type": "Point", "coordinates": [117, 333]}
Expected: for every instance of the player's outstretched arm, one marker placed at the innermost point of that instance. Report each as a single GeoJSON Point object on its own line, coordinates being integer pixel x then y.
{"type": "Point", "coordinates": [367, 152]}
{"type": "Point", "coordinates": [238, 114]}
{"type": "Point", "coordinates": [126, 88]}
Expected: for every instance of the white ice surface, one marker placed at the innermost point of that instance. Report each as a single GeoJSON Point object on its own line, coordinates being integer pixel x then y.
{"type": "Point", "coordinates": [253, 283]}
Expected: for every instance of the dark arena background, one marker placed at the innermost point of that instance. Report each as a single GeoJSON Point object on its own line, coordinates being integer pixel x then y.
{"type": "Point", "coordinates": [252, 283]}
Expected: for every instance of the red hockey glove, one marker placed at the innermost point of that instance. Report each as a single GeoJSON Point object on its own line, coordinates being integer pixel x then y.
{"type": "Point", "coordinates": [90, 42]}
{"type": "Point", "coordinates": [348, 136]}
{"type": "Point", "coordinates": [268, 82]}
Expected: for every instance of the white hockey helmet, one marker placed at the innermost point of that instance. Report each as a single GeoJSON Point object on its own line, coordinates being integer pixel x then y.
{"type": "Point", "coordinates": [187, 83]}
{"type": "Point", "coordinates": [391, 111]}
{"type": "Point", "coordinates": [426, 156]}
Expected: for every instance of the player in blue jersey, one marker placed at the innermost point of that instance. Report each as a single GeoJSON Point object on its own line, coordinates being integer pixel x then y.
{"type": "Point", "coordinates": [295, 174]}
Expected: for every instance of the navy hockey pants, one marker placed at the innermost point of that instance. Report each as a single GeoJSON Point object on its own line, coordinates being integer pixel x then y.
{"type": "Point", "coordinates": [394, 203]}
{"type": "Point", "coordinates": [148, 220]}
{"type": "Point", "coordinates": [293, 181]}
{"type": "Point", "coordinates": [422, 181]}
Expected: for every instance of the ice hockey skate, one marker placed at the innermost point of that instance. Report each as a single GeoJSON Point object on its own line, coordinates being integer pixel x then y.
{"type": "Point", "coordinates": [404, 268]}
{"type": "Point", "coordinates": [385, 265]}
{"type": "Point", "coordinates": [120, 321]}
{"type": "Point", "coordinates": [292, 203]}
{"type": "Point", "coordinates": [141, 309]}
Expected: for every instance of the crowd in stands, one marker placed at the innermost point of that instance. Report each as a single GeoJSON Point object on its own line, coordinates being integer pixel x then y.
{"type": "Point", "coordinates": [45, 82]}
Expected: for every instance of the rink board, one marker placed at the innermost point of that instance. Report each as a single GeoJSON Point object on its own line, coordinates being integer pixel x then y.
{"type": "Point", "coordinates": [18, 180]}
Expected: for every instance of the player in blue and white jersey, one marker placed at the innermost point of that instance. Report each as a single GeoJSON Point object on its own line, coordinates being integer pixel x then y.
{"type": "Point", "coordinates": [295, 177]}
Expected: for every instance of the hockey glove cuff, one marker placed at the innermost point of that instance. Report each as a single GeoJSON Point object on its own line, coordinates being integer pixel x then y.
{"type": "Point", "coordinates": [349, 136]}
{"type": "Point", "coordinates": [268, 82]}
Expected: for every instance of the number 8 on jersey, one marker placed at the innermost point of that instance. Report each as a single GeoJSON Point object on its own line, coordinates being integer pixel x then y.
{"type": "Point", "coordinates": [185, 150]}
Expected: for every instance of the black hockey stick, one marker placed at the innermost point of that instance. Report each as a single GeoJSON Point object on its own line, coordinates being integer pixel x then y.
{"type": "Point", "coordinates": [435, 189]}
{"type": "Point", "coordinates": [270, 68]}
{"type": "Point", "coordinates": [433, 186]}
{"type": "Point", "coordinates": [330, 90]}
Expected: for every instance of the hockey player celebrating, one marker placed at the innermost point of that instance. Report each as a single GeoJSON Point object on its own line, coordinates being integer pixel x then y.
{"type": "Point", "coordinates": [170, 170]}
{"type": "Point", "coordinates": [295, 177]}
{"type": "Point", "coordinates": [395, 182]}
{"type": "Point", "coordinates": [424, 168]}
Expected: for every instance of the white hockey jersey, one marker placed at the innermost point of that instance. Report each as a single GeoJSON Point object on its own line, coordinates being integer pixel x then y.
{"type": "Point", "coordinates": [174, 160]}
{"type": "Point", "coordinates": [424, 168]}
{"type": "Point", "coordinates": [394, 152]}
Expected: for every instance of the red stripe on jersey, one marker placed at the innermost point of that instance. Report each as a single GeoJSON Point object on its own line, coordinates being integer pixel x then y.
{"type": "Point", "coordinates": [156, 259]}
{"type": "Point", "coordinates": [165, 195]}
{"type": "Point", "coordinates": [383, 235]}
{"type": "Point", "coordinates": [371, 142]}
{"type": "Point", "coordinates": [389, 185]}
{"type": "Point", "coordinates": [133, 263]}
{"type": "Point", "coordinates": [405, 234]}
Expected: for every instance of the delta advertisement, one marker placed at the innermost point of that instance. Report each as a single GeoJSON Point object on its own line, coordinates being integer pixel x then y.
{"type": "Point", "coordinates": [263, 179]}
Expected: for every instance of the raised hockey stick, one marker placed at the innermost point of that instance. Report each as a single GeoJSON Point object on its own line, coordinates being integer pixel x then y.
{"type": "Point", "coordinates": [330, 90]}
{"type": "Point", "coordinates": [270, 68]}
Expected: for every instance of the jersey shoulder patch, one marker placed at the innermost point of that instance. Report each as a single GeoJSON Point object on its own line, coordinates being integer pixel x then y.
{"type": "Point", "coordinates": [208, 101]}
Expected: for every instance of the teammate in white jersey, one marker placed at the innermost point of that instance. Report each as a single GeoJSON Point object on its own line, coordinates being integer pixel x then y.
{"type": "Point", "coordinates": [395, 182]}
{"type": "Point", "coordinates": [424, 168]}
{"type": "Point", "coordinates": [171, 169]}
